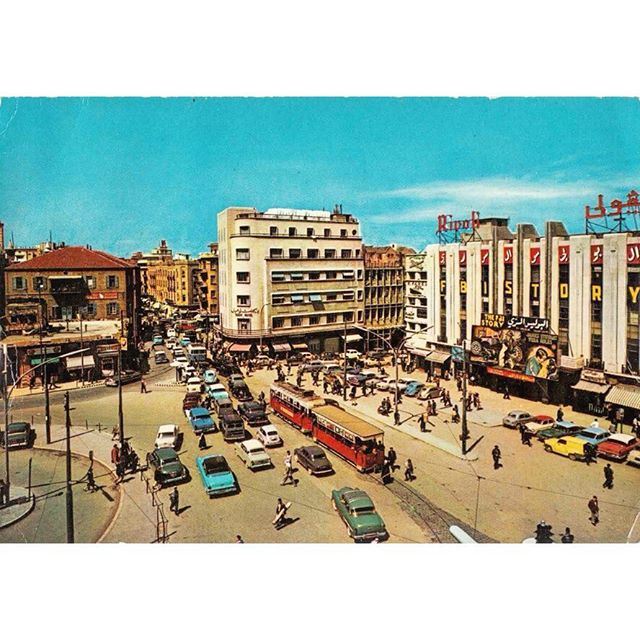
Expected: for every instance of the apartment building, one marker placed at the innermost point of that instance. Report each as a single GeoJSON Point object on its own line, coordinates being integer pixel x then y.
{"type": "Point", "coordinates": [208, 280]}
{"type": "Point", "coordinates": [290, 279]}
{"type": "Point", "coordinates": [162, 253]}
{"type": "Point", "coordinates": [383, 292]}
{"type": "Point", "coordinates": [174, 281]}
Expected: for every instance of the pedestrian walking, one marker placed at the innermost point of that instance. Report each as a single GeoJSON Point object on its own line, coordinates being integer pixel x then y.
{"type": "Point", "coordinates": [408, 470]}
{"type": "Point", "coordinates": [143, 386]}
{"type": "Point", "coordinates": [202, 441]}
{"type": "Point", "coordinates": [352, 392]}
{"type": "Point", "coordinates": [3, 492]}
{"type": "Point", "coordinates": [594, 510]}
{"type": "Point", "coordinates": [559, 414]}
{"type": "Point", "coordinates": [422, 423]}
{"type": "Point", "coordinates": [288, 471]}
{"type": "Point", "coordinates": [239, 539]}
{"type": "Point", "coordinates": [455, 414]}
{"type": "Point", "coordinates": [91, 481]}
{"type": "Point", "coordinates": [527, 437]}
{"type": "Point", "coordinates": [635, 426]}
{"type": "Point", "coordinates": [595, 424]}
{"type": "Point", "coordinates": [392, 457]}
{"type": "Point", "coordinates": [506, 395]}
{"type": "Point", "coordinates": [115, 454]}
{"type": "Point", "coordinates": [567, 536]}
{"type": "Point", "coordinates": [385, 472]}
{"type": "Point", "coordinates": [325, 386]}
{"type": "Point", "coordinates": [396, 417]}
{"type": "Point", "coordinates": [496, 454]}
{"type": "Point", "coordinates": [120, 468]}
{"type": "Point", "coordinates": [608, 477]}
{"type": "Point", "coordinates": [589, 453]}
{"type": "Point", "coordinates": [174, 501]}
{"type": "Point", "coordinates": [281, 514]}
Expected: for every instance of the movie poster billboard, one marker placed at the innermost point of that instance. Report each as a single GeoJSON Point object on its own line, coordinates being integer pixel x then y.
{"type": "Point", "coordinates": [515, 344]}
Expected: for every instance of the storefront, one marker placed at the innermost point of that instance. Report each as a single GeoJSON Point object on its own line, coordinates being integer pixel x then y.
{"type": "Point", "coordinates": [281, 348]}
{"type": "Point", "coordinates": [625, 397]}
{"type": "Point", "coordinates": [590, 391]}
{"type": "Point", "coordinates": [80, 367]}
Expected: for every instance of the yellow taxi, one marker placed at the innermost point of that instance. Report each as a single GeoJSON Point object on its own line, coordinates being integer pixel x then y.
{"type": "Point", "coordinates": [569, 446]}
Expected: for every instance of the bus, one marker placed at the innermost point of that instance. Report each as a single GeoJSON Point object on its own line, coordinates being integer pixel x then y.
{"type": "Point", "coordinates": [294, 405]}
{"type": "Point", "coordinates": [196, 353]}
{"type": "Point", "coordinates": [350, 437]}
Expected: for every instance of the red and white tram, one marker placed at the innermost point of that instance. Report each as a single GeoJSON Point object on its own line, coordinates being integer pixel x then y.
{"type": "Point", "coordinates": [295, 405]}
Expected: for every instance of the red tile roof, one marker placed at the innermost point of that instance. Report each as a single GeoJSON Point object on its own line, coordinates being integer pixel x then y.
{"type": "Point", "coordinates": [71, 258]}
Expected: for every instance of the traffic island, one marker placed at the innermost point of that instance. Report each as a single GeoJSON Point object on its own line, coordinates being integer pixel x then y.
{"type": "Point", "coordinates": [21, 505]}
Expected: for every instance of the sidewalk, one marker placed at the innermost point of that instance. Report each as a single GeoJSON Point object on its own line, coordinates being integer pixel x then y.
{"type": "Point", "coordinates": [21, 506]}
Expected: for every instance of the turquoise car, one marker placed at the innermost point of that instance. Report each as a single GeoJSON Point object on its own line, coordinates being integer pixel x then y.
{"type": "Point", "coordinates": [201, 421]}
{"type": "Point", "coordinates": [210, 377]}
{"type": "Point", "coordinates": [217, 392]}
{"type": "Point", "coordinates": [593, 435]}
{"type": "Point", "coordinates": [359, 514]}
{"type": "Point", "coordinates": [185, 342]}
{"type": "Point", "coordinates": [216, 476]}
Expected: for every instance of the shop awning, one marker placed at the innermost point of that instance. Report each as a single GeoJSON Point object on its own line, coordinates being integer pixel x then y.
{"type": "Point", "coordinates": [625, 395]}
{"type": "Point", "coordinates": [280, 347]}
{"type": "Point", "coordinates": [77, 362]}
{"type": "Point", "coordinates": [239, 348]}
{"type": "Point", "coordinates": [591, 387]}
{"type": "Point", "coordinates": [439, 357]}
{"type": "Point", "coordinates": [352, 337]}
{"type": "Point", "coordinates": [49, 360]}
{"type": "Point", "coordinates": [300, 346]}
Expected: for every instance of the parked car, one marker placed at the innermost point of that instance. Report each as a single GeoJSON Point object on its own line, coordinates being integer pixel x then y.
{"type": "Point", "coordinates": [157, 340]}
{"type": "Point", "coordinates": [269, 436]}
{"type": "Point", "coordinates": [617, 446]}
{"type": "Point", "coordinates": [634, 458]}
{"type": "Point", "coordinates": [331, 368]}
{"type": "Point", "coordinates": [160, 357]}
{"type": "Point", "coordinates": [569, 446]}
{"type": "Point", "coordinates": [384, 382]}
{"type": "Point", "coordinates": [311, 366]}
{"type": "Point", "coordinates": [253, 412]}
{"type": "Point", "coordinates": [313, 459]}
{"type": "Point", "coordinates": [168, 436]}
{"type": "Point", "coordinates": [231, 424]}
{"type": "Point", "coordinates": [413, 389]}
{"type": "Point", "coordinates": [126, 377]}
{"type": "Point", "coordinates": [430, 392]}
{"type": "Point", "coordinates": [263, 361]}
{"type": "Point", "coordinates": [201, 421]}
{"type": "Point", "coordinates": [515, 418]}
{"type": "Point", "coordinates": [358, 512]}
{"type": "Point", "coordinates": [561, 428]}
{"type": "Point", "coordinates": [194, 384]}
{"type": "Point", "coordinates": [167, 467]}
{"type": "Point", "coordinates": [236, 378]}
{"type": "Point", "coordinates": [594, 435]}
{"type": "Point", "coordinates": [225, 368]}
{"type": "Point", "coordinates": [184, 341]}
{"type": "Point", "coordinates": [539, 423]}
{"type": "Point", "coordinates": [222, 403]}
{"type": "Point", "coordinates": [21, 434]}
{"type": "Point", "coordinates": [240, 390]}
{"type": "Point", "coordinates": [171, 333]}
{"type": "Point", "coordinates": [402, 383]}
{"type": "Point", "coordinates": [216, 475]}
{"type": "Point", "coordinates": [217, 393]}
{"type": "Point", "coordinates": [190, 401]}
{"type": "Point", "coordinates": [353, 354]}
{"type": "Point", "coordinates": [253, 454]}
{"type": "Point", "coordinates": [210, 376]}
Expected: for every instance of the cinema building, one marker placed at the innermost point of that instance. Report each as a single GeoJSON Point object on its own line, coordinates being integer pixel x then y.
{"type": "Point", "coordinates": [549, 315]}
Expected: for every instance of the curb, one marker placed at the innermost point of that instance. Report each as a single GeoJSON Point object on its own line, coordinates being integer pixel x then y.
{"type": "Point", "coordinates": [22, 514]}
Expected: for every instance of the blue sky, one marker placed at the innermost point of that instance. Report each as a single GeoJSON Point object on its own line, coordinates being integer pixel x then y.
{"type": "Point", "coordinates": [122, 173]}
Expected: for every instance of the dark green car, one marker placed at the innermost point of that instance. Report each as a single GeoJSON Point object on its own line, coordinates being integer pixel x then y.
{"type": "Point", "coordinates": [359, 514]}
{"type": "Point", "coordinates": [21, 434]}
{"type": "Point", "coordinates": [166, 466]}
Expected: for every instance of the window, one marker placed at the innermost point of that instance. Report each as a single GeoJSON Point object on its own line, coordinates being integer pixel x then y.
{"type": "Point", "coordinates": [330, 275]}
{"type": "Point", "coordinates": [314, 275]}
{"type": "Point", "coordinates": [91, 309]}
{"type": "Point", "coordinates": [310, 232]}
{"type": "Point", "coordinates": [273, 231]}
{"type": "Point", "coordinates": [19, 283]}
{"type": "Point", "coordinates": [345, 253]}
{"type": "Point", "coordinates": [277, 323]}
{"type": "Point", "coordinates": [347, 317]}
{"type": "Point", "coordinates": [112, 282]}
{"type": "Point", "coordinates": [113, 308]}
{"type": "Point", "coordinates": [91, 282]}
{"type": "Point", "coordinates": [277, 299]}
{"type": "Point", "coordinates": [315, 297]}
{"type": "Point", "coordinates": [244, 301]}
{"type": "Point", "coordinates": [295, 253]}
{"type": "Point", "coordinates": [296, 321]}
{"type": "Point", "coordinates": [276, 254]}
{"type": "Point", "coordinates": [343, 233]}
{"type": "Point", "coordinates": [327, 233]}
{"type": "Point", "coordinates": [329, 253]}
{"type": "Point", "coordinates": [242, 254]}
{"type": "Point", "coordinates": [297, 276]}
{"type": "Point", "coordinates": [297, 297]}
{"type": "Point", "coordinates": [331, 297]}
{"type": "Point", "coordinates": [357, 253]}
{"type": "Point", "coordinates": [277, 276]}
{"type": "Point", "coordinates": [292, 232]}
{"type": "Point", "coordinates": [313, 253]}
{"type": "Point", "coordinates": [332, 318]}
{"type": "Point", "coordinates": [359, 294]}
{"type": "Point", "coordinates": [348, 295]}
{"type": "Point", "coordinates": [39, 283]}
{"type": "Point", "coordinates": [314, 319]}
{"type": "Point", "coordinates": [242, 277]}
{"type": "Point", "coordinates": [347, 275]}
{"type": "Point", "coordinates": [359, 274]}
{"type": "Point", "coordinates": [244, 324]}
{"type": "Point", "coordinates": [245, 231]}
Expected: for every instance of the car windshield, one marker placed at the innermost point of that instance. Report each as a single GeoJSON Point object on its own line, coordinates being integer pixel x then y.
{"type": "Point", "coordinates": [358, 511]}
{"type": "Point", "coordinates": [215, 465]}
{"type": "Point", "coordinates": [169, 459]}
{"type": "Point", "coordinates": [318, 456]}
{"type": "Point", "coordinates": [18, 427]}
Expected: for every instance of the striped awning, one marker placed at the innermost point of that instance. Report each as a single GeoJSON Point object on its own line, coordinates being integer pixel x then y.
{"type": "Point", "coordinates": [625, 395]}
{"type": "Point", "coordinates": [439, 357]}
{"type": "Point", "coordinates": [239, 348]}
{"type": "Point", "coordinates": [78, 362]}
{"type": "Point", "coordinates": [591, 387]}
{"type": "Point", "coordinates": [280, 347]}
{"type": "Point", "coordinates": [299, 345]}
{"type": "Point", "coordinates": [352, 337]}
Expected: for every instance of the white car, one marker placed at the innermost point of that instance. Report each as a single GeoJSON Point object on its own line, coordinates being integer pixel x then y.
{"type": "Point", "coordinates": [168, 436]}
{"type": "Point", "coordinates": [353, 354]}
{"type": "Point", "coordinates": [171, 333]}
{"type": "Point", "coordinates": [181, 360]}
{"type": "Point", "coordinates": [634, 458]}
{"type": "Point", "coordinates": [403, 383]}
{"type": "Point", "coordinates": [384, 382]}
{"type": "Point", "coordinates": [194, 384]}
{"type": "Point", "coordinates": [269, 436]}
{"type": "Point", "coordinates": [253, 454]}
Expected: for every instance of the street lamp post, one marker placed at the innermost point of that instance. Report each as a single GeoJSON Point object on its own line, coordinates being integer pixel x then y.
{"type": "Point", "coordinates": [266, 304]}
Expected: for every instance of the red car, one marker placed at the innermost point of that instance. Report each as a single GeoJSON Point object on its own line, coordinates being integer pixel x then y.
{"type": "Point", "coordinates": [191, 400]}
{"type": "Point", "coordinates": [617, 446]}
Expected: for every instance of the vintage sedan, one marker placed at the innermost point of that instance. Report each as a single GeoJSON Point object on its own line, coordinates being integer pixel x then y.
{"type": "Point", "coordinates": [160, 358]}
{"type": "Point", "coordinates": [216, 476]}
{"type": "Point", "coordinates": [313, 459]}
{"type": "Point", "coordinates": [201, 421]}
{"type": "Point", "coordinates": [253, 412]}
{"type": "Point", "coordinates": [359, 514]}
{"type": "Point", "coordinates": [430, 392]}
{"type": "Point", "coordinates": [569, 446]}
{"type": "Point", "coordinates": [253, 454]}
{"type": "Point", "coordinates": [269, 436]}
{"type": "Point", "coordinates": [194, 384]}
{"type": "Point", "coordinates": [210, 376]}
{"type": "Point", "coordinates": [21, 434]}
{"type": "Point", "coordinates": [617, 446]}
{"type": "Point", "coordinates": [413, 389]}
{"type": "Point", "coordinates": [167, 467]}
{"type": "Point", "coordinates": [539, 423]}
{"type": "Point", "coordinates": [240, 390]}
{"type": "Point", "coordinates": [561, 428]}
{"type": "Point", "coordinates": [634, 458]}
{"type": "Point", "coordinates": [384, 382]}
{"type": "Point", "coordinates": [514, 419]}
{"type": "Point", "coordinates": [593, 435]}
{"type": "Point", "coordinates": [236, 378]}
{"type": "Point", "coordinates": [190, 401]}
{"type": "Point", "coordinates": [168, 436]}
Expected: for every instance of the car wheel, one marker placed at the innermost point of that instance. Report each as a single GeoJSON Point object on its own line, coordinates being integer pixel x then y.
{"type": "Point", "coordinates": [572, 456]}
{"type": "Point", "coordinates": [296, 459]}
{"type": "Point", "coordinates": [310, 471]}
{"type": "Point", "coordinates": [547, 447]}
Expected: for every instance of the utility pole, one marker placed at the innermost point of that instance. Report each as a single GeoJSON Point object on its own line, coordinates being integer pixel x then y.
{"type": "Point", "coordinates": [45, 375]}
{"type": "Point", "coordinates": [82, 347]}
{"type": "Point", "coordinates": [5, 395]}
{"type": "Point", "coordinates": [120, 414]}
{"type": "Point", "coordinates": [344, 366]}
{"type": "Point", "coordinates": [69, 491]}
{"type": "Point", "coordinates": [465, 432]}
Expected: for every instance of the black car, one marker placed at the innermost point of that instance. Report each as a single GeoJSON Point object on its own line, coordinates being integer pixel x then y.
{"type": "Point", "coordinates": [231, 424]}
{"type": "Point", "coordinates": [241, 391]}
{"type": "Point", "coordinates": [21, 434]}
{"type": "Point", "coordinates": [253, 412]}
{"type": "Point", "coordinates": [167, 467]}
{"type": "Point", "coordinates": [225, 368]}
{"type": "Point", "coordinates": [313, 459]}
{"type": "Point", "coordinates": [126, 377]}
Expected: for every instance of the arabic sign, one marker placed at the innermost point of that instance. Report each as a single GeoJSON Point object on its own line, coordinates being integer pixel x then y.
{"type": "Point", "coordinates": [507, 373]}
{"type": "Point", "coordinates": [596, 254]}
{"type": "Point", "coordinates": [563, 254]}
{"type": "Point", "coordinates": [534, 256]}
{"type": "Point", "coordinates": [507, 252]}
{"type": "Point", "coordinates": [617, 207]}
{"type": "Point", "coordinates": [633, 253]}
{"type": "Point", "coordinates": [484, 256]}
{"type": "Point", "coordinates": [500, 321]}
{"type": "Point", "coordinates": [526, 353]}
{"type": "Point", "coordinates": [462, 257]}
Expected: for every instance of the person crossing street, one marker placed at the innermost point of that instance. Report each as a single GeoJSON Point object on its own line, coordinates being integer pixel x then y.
{"type": "Point", "coordinates": [496, 454]}
{"type": "Point", "coordinates": [608, 477]}
{"type": "Point", "coordinates": [174, 501]}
